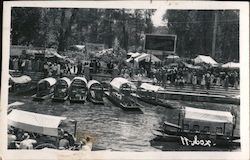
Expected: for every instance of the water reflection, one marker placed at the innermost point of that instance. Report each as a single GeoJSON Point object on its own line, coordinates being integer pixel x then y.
{"type": "Point", "coordinates": [116, 129]}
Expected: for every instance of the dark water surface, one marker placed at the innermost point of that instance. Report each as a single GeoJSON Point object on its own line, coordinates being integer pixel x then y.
{"type": "Point", "coordinates": [119, 130]}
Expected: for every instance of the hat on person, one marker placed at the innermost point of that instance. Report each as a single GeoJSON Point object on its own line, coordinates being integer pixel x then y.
{"type": "Point", "coordinates": [65, 135]}
{"type": "Point", "coordinates": [26, 135]}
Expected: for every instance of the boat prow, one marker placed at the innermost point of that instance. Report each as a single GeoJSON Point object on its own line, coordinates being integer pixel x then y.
{"type": "Point", "coordinates": [95, 92]}
{"type": "Point", "coordinates": [42, 98]}
{"type": "Point", "coordinates": [78, 90]}
{"type": "Point", "coordinates": [122, 105]}
{"type": "Point", "coordinates": [151, 94]}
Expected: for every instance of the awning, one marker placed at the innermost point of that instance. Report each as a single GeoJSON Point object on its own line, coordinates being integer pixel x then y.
{"type": "Point", "coordinates": [20, 80]}
{"type": "Point", "coordinates": [231, 65]}
{"type": "Point", "coordinates": [208, 115]}
{"type": "Point", "coordinates": [91, 82]}
{"type": "Point", "coordinates": [50, 80]}
{"type": "Point", "coordinates": [52, 52]}
{"type": "Point", "coordinates": [80, 79]}
{"type": "Point", "coordinates": [65, 79]}
{"type": "Point", "coordinates": [205, 59]}
{"type": "Point", "coordinates": [133, 56]}
{"type": "Point", "coordinates": [116, 83]}
{"type": "Point", "coordinates": [151, 87]}
{"type": "Point", "coordinates": [34, 122]}
{"type": "Point", "coordinates": [78, 47]}
{"type": "Point", "coordinates": [147, 57]}
{"type": "Point", "coordinates": [130, 53]}
{"type": "Point", "coordinates": [191, 66]}
{"type": "Point", "coordinates": [172, 57]}
{"type": "Point", "coordinates": [104, 52]}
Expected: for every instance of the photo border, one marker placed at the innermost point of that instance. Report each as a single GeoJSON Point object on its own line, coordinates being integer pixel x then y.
{"type": "Point", "coordinates": [179, 5]}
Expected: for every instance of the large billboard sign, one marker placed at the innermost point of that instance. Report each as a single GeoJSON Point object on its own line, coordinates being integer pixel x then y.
{"type": "Point", "coordinates": [164, 42]}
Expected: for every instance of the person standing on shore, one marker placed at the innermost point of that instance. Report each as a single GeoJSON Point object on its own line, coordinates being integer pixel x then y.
{"type": "Point", "coordinates": [203, 82]}
{"type": "Point", "coordinates": [226, 82]}
{"type": "Point", "coordinates": [194, 81]}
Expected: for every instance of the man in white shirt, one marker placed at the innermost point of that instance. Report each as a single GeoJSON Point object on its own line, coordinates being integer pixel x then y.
{"type": "Point", "coordinates": [27, 143]}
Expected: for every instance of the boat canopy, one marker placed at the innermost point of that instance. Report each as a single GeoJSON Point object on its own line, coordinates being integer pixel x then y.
{"type": "Point", "coordinates": [50, 80]}
{"type": "Point", "coordinates": [80, 79]}
{"type": "Point", "coordinates": [34, 122]}
{"type": "Point", "coordinates": [21, 80]}
{"type": "Point", "coordinates": [91, 82]}
{"type": "Point", "coordinates": [231, 65]}
{"type": "Point", "coordinates": [117, 83]}
{"type": "Point", "coordinates": [208, 115]}
{"type": "Point", "coordinates": [151, 87]}
{"type": "Point", "coordinates": [205, 59]}
{"type": "Point", "coordinates": [172, 57]}
{"type": "Point", "coordinates": [65, 79]}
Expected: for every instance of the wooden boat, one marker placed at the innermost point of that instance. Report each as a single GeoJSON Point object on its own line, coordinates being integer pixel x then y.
{"type": "Point", "coordinates": [78, 89]}
{"type": "Point", "coordinates": [120, 94]}
{"type": "Point", "coordinates": [45, 129]}
{"type": "Point", "coordinates": [21, 85]}
{"type": "Point", "coordinates": [61, 89]}
{"type": "Point", "coordinates": [150, 94]}
{"type": "Point", "coordinates": [45, 89]}
{"type": "Point", "coordinates": [95, 92]}
{"type": "Point", "coordinates": [196, 124]}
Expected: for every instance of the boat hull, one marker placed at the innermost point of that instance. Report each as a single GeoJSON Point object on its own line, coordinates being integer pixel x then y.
{"type": "Point", "coordinates": [42, 98]}
{"type": "Point", "coordinates": [168, 136]}
{"type": "Point", "coordinates": [120, 104]}
{"type": "Point", "coordinates": [59, 99]}
{"type": "Point", "coordinates": [77, 100]}
{"type": "Point", "coordinates": [27, 90]}
{"type": "Point", "coordinates": [95, 101]}
{"type": "Point", "coordinates": [155, 102]}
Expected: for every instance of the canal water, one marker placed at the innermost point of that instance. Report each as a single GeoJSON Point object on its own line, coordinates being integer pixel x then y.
{"type": "Point", "coordinates": [119, 130]}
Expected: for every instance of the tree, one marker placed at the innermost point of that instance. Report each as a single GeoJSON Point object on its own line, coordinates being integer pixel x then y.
{"type": "Point", "coordinates": [25, 25]}
{"type": "Point", "coordinates": [60, 28]}
{"type": "Point", "coordinates": [194, 30]}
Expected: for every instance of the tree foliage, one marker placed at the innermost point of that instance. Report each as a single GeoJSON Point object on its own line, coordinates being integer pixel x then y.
{"type": "Point", "coordinates": [60, 28]}
{"type": "Point", "coordinates": [194, 30]}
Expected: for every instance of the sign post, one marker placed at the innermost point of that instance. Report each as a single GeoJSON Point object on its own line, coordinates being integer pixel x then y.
{"type": "Point", "coordinates": [160, 42]}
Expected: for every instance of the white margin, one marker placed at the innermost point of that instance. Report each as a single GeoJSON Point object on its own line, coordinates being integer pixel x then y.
{"type": "Point", "coordinates": [212, 5]}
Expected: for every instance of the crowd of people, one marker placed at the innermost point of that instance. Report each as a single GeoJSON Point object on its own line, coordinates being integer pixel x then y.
{"type": "Point", "coordinates": [59, 68]}
{"type": "Point", "coordinates": [20, 139]}
{"type": "Point", "coordinates": [178, 75]}
{"type": "Point", "coordinates": [25, 64]}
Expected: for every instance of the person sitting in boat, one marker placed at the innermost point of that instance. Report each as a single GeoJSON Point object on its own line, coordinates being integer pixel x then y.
{"type": "Point", "coordinates": [64, 142]}
{"type": "Point", "coordinates": [11, 139]}
{"type": "Point", "coordinates": [27, 143]}
{"type": "Point", "coordinates": [154, 80]}
{"type": "Point", "coordinates": [70, 138]}
{"type": "Point", "coordinates": [19, 134]}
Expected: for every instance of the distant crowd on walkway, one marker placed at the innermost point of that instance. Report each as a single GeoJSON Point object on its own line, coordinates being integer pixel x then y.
{"type": "Point", "coordinates": [178, 76]}
{"type": "Point", "coordinates": [56, 69]}
{"type": "Point", "coordinates": [182, 76]}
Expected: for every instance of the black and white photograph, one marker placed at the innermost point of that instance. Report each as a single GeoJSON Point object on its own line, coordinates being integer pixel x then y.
{"type": "Point", "coordinates": [125, 79]}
